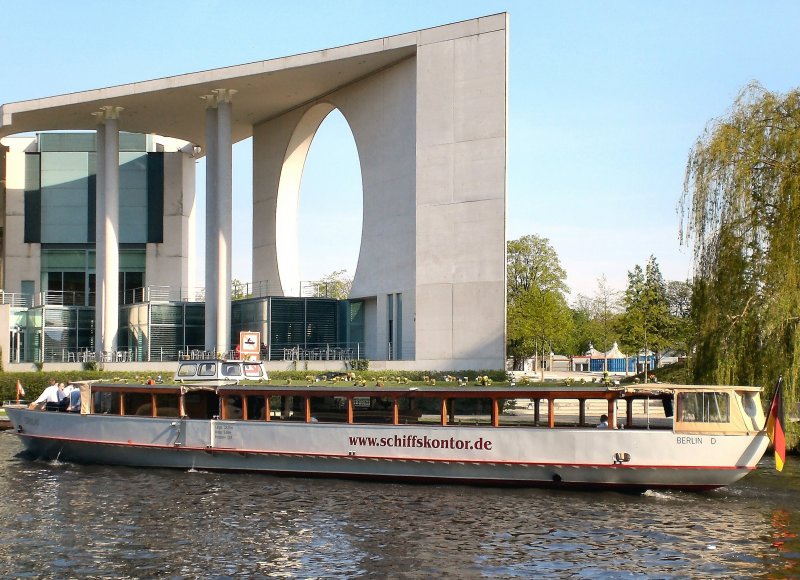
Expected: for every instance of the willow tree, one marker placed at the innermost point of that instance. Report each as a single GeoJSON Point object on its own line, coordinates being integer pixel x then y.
{"type": "Point", "coordinates": [741, 210]}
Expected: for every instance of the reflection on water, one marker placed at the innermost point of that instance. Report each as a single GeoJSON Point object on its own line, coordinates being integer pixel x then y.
{"type": "Point", "coordinates": [67, 520]}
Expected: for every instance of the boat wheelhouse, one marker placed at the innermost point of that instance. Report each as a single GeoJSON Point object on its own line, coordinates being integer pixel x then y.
{"type": "Point", "coordinates": [219, 370]}
{"type": "Point", "coordinates": [659, 436]}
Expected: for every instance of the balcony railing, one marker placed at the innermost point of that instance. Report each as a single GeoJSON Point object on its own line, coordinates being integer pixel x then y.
{"type": "Point", "coordinates": [322, 352]}
{"type": "Point", "coordinates": [16, 299]}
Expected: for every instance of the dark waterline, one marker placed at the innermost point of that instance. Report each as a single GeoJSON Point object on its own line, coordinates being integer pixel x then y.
{"type": "Point", "coordinates": [64, 520]}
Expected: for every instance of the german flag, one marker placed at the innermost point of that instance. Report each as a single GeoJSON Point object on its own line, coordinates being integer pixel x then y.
{"type": "Point", "coordinates": [775, 426]}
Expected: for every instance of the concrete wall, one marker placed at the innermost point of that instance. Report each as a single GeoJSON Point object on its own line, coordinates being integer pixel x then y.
{"type": "Point", "coordinates": [5, 336]}
{"type": "Point", "coordinates": [21, 261]}
{"type": "Point", "coordinates": [174, 262]}
{"type": "Point", "coordinates": [380, 111]}
{"type": "Point", "coordinates": [431, 137]}
{"type": "Point", "coordinates": [461, 167]}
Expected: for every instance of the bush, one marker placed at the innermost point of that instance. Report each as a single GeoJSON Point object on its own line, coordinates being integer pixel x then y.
{"type": "Point", "coordinates": [360, 364]}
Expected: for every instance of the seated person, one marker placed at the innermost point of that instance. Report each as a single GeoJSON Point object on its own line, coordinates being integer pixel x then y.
{"type": "Point", "coordinates": [603, 422]}
{"type": "Point", "coordinates": [73, 399]}
{"type": "Point", "coordinates": [51, 396]}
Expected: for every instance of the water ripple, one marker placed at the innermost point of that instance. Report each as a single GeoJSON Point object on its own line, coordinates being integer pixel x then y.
{"type": "Point", "coordinates": [65, 520]}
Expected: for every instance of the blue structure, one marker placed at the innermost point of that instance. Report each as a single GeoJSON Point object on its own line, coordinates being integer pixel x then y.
{"type": "Point", "coordinates": [617, 362]}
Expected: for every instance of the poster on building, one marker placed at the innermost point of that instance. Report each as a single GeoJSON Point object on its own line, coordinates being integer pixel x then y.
{"type": "Point", "coordinates": [250, 345]}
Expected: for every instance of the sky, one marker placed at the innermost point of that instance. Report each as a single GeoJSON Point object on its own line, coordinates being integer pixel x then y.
{"type": "Point", "coordinates": [606, 100]}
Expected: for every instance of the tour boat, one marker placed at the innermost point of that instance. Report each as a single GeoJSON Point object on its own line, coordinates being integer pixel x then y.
{"type": "Point", "coordinates": [658, 435]}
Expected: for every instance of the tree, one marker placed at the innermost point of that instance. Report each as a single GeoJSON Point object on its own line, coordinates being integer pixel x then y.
{"type": "Point", "coordinates": [599, 315]}
{"type": "Point", "coordinates": [334, 285]}
{"type": "Point", "coordinates": [533, 263]}
{"type": "Point", "coordinates": [646, 324]}
{"type": "Point", "coordinates": [239, 290]}
{"type": "Point", "coordinates": [605, 305]}
{"type": "Point", "coordinates": [741, 210]}
{"type": "Point", "coordinates": [582, 325]}
{"type": "Point", "coordinates": [679, 298]}
{"type": "Point", "coordinates": [679, 301]}
{"type": "Point", "coordinates": [538, 315]}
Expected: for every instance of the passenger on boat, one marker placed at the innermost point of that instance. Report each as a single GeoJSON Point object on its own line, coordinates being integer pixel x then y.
{"type": "Point", "coordinates": [603, 422]}
{"type": "Point", "coordinates": [52, 395]}
{"type": "Point", "coordinates": [72, 401]}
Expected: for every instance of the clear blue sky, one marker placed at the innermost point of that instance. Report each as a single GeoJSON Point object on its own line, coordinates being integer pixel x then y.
{"type": "Point", "coordinates": [605, 101]}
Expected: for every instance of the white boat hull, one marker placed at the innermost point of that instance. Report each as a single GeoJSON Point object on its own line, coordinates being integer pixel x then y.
{"type": "Point", "coordinates": [535, 456]}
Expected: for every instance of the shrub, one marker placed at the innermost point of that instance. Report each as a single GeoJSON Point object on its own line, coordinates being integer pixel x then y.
{"type": "Point", "coordinates": [360, 364]}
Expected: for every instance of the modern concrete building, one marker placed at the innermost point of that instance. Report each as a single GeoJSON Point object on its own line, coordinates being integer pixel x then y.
{"type": "Point", "coordinates": [427, 110]}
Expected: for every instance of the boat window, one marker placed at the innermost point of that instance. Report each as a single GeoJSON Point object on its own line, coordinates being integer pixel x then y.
{"type": "Point", "coordinates": [201, 404]}
{"type": "Point", "coordinates": [704, 407]}
{"type": "Point", "coordinates": [167, 405]}
{"type": "Point", "coordinates": [232, 407]}
{"type": "Point", "coordinates": [328, 409]}
{"type": "Point", "coordinates": [187, 370]}
{"type": "Point", "coordinates": [106, 403]}
{"type": "Point", "coordinates": [232, 370]}
{"type": "Point", "coordinates": [471, 411]}
{"type": "Point", "coordinates": [522, 412]}
{"type": "Point", "coordinates": [137, 404]}
{"type": "Point", "coordinates": [750, 403]}
{"type": "Point", "coordinates": [419, 410]}
{"type": "Point", "coordinates": [207, 369]}
{"type": "Point", "coordinates": [373, 410]}
{"type": "Point", "coordinates": [252, 370]}
{"type": "Point", "coordinates": [256, 407]}
{"type": "Point", "coordinates": [287, 408]}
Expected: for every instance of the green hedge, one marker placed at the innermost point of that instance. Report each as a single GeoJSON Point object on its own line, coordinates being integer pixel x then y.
{"type": "Point", "coordinates": [35, 382]}
{"type": "Point", "coordinates": [373, 375]}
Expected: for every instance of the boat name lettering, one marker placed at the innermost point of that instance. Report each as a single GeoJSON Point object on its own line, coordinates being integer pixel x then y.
{"type": "Point", "coordinates": [422, 441]}
{"type": "Point", "coordinates": [686, 440]}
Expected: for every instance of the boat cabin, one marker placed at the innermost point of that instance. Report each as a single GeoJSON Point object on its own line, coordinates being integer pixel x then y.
{"type": "Point", "coordinates": [684, 409]}
{"type": "Point", "coordinates": [220, 371]}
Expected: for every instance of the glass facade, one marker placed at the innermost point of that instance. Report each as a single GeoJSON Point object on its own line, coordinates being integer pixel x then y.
{"type": "Point", "coordinates": [56, 334]}
{"type": "Point", "coordinates": [295, 328]}
{"type": "Point", "coordinates": [64, 186]}
{"type": "Point", "coordinates": [68, 276]}
{"type": "Point", "coordinates": [150, 331]}
{"type": "Point", "coordinates": [303, 325]}
{"type": "Point", "coordinates": [60, 214]}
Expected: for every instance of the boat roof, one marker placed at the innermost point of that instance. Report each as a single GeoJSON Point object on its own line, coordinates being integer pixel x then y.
{"type": "Point", "coordinates": [220, 360]}
{"type": "Point", "coordinates": [588, 391]}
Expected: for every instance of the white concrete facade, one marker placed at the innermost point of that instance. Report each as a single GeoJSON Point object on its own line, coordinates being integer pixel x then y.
{"type": "Point", "coordinates": [173, 263]}
{"type": "Point", "coordinates": [427, 110]}
{"type": "Point", "coordinates": [431, 138]}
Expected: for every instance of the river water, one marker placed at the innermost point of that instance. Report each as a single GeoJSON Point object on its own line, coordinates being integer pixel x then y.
{"type": "Point", "coordinates": [63, 520]}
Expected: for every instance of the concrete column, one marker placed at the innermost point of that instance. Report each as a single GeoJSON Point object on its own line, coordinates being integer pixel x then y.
{"type": "Point", "coordinates": [100, 233]}
{"type": "Point", "coordinates": [107, 214]}
{"type": "Point", "coordinates": [224, 217]}
{"type": "Point", "coordinates": [219, 224]}
{"type": "Point", "coordinates": [211, 224]}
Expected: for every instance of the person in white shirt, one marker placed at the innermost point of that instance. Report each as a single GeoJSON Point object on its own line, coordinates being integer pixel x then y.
{"type": "Point", "coordinates": [603, 422]}
{"type": "Point", "coordinates": [52, 394]}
